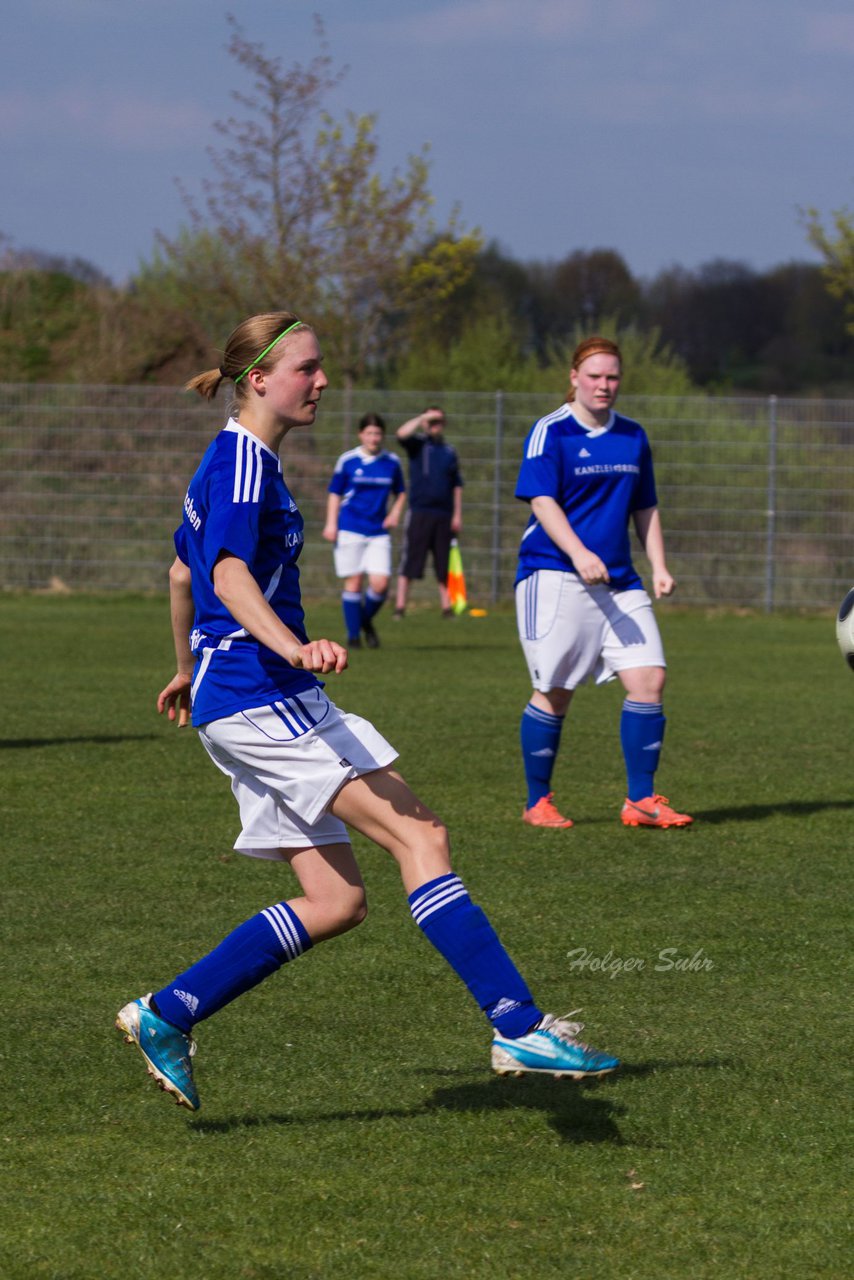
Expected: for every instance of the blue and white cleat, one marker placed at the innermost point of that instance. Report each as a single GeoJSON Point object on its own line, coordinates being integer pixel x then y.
{"type": "Point", "coordinates": [166, 1049]}
{"type": "Point", "coordinates": [551, 1049]}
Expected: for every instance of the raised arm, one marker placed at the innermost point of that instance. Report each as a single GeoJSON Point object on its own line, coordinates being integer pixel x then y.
{"type": "Point", "coordinates": [418, 423]}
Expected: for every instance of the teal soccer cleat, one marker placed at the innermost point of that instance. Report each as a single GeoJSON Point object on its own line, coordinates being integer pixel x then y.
{"type": "Point", "coordinates": [166, 1050]}
{"type": "Point", "coordinates": [553, 1049]}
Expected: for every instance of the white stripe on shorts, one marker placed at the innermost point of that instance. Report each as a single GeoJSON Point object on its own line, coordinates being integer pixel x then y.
{"type": "Point", "coordinates": [530, 590]}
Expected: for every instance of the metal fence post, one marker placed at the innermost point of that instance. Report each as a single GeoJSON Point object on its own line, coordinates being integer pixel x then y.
{"type": "Point", "coordinates": [347, 416]}
{"type": "Point", "coordinates": [496, 498]}
{"type": "Point", "coordinates": [771, 506]}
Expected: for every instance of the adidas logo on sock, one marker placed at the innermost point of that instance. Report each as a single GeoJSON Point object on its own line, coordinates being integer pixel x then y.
{"type": "Point", "coordinates": [504, 1006]}
{"type": "Point", "coordinates": [192, 1002]}
{"type": "Point", "coordinates": [544, 751]}
{"type": "Point", "coordinates": [653, 746]}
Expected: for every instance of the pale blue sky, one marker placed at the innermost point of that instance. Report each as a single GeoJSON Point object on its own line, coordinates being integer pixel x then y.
{"type": "Point", "coordinates": [672, 131]}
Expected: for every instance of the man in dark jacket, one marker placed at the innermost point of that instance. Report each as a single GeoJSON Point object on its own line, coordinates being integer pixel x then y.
{"type": "Point", "coordinates": [435, 504]}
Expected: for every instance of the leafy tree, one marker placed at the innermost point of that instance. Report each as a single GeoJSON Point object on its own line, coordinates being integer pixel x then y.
{"type": "Point", "coordinates": [736, 328]}
{"type": "Point", "coordinates": [486, 355]}
{"type": "Point", "coordinates": [717, 318]}
{"type": "Point", "coordinates": [809, 348]}
{"type": "Point", "coordinates": [650, 365]}
{"type": "Point", "coordinates": [298, 215]}
{"type": "Point", "coordinates": [581, 289]}
{"type": "Point", "coordinates": [836, 246]}
{"type": "Point", "coordinates": [47, 319]}
{"type": "Point", "coordinates": [489, 354]}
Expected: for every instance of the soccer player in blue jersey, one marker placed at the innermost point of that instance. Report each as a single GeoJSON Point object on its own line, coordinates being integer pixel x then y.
{"type": "Point", "coordinates": [302, 771]}
{"type": "Point", "coordinates": [581, 607]}
{"type": "Point", "coordinates": [358, 520]}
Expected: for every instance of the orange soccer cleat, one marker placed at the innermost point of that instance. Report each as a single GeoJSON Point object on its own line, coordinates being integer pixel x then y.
{"type": "Point", "coordinates": [653, 811]}
{"type": "Point", "coordinates": [544, 814]}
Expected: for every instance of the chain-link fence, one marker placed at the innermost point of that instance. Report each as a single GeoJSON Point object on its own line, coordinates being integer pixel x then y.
{"type": "Point", "coordinates": [755, 494]}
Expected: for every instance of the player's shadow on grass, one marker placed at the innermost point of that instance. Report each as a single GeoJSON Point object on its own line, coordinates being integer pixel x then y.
{"type": "Point", "coordinates": [572, 1112]}
{"type": "Point", "coordinates": [570, 1108]}
{"type": "Point", "coordinates": [756, 812]}
{"type": "Point", "coordinates": [96, 739]}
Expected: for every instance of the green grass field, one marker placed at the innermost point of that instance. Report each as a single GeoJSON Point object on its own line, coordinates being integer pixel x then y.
{"type": "Point", "coordinates": [350, 1124]}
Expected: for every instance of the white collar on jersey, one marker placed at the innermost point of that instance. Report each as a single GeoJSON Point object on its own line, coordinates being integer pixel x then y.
{"type": "Point", "coordinates": [593, 432]}
{"type": "Point", "coordinates": [238, 427]}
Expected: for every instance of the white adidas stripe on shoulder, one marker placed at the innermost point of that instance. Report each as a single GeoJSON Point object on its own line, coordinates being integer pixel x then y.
{"type": "Point", "coordinates": [540, 430]}
{"type": "Point", "coordinates": [248, 468]}
{"type": "Point", "coordinates": [345, 457]}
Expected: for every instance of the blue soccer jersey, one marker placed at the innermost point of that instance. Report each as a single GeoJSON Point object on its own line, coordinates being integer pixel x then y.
{"type": "Point", "coordinates": [598, 478]}
{"type": "Point", "coordinates": [238, 502]}
{"type": "Point", "coordinates": [364, 483]}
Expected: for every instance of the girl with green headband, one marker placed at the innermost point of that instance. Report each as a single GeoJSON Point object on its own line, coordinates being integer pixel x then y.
{"type": "Point", "coordinates": [301, 769]}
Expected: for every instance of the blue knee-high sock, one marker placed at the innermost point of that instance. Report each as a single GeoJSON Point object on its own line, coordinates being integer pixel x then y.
{"type": "Point", "coordinates": [641, 734]}
{"type": "Point", "coordinates": [540, 736]}
{"type": "Point", "coordinates": [461, 933]}
{"type": "Point", "coordinates": [351, 606]}
{"type": "Point", "coordinates": [374, 601]}
{"type": "Point", "coordinates": [253, 951]}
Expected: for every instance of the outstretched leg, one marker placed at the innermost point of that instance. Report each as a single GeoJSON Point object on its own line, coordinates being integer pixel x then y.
{"type": "Point", "coordinates": [382, 807]}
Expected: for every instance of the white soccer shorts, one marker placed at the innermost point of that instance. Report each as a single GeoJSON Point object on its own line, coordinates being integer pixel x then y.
{"type": "Point", "coordinates": [358, 553]}
{"type": "Point", "coordinates": [571, 632]}
{"type": "Point", "coordinates": [286, 763]}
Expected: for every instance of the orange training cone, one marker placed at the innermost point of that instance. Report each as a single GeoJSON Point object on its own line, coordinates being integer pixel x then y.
{"type": "Point", "coordinates": [456, 579]}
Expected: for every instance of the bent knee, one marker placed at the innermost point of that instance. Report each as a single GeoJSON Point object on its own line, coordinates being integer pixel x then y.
{"type": "Point", "coordinates": [436, 845]}
{"type": "Point", "coordinates": [441, 839]}
{"type": "Point", "coordinates": [350, 910]}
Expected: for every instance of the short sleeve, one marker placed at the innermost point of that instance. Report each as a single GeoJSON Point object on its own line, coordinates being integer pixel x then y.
{"type": "Point", "coordinates": [233, 522]}
{"type": "Point", "coordinates": [540, 472]}
{"type": "Point", "coordinates": [338, 482]}
{"type": "Point", "coordinates": [645, 495]}
{"type": "Point", "coordinates": [180, 540]}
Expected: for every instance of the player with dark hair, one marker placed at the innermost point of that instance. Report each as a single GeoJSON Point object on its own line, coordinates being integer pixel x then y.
{"type": "Point", "coordinates": [358, 520]}
{"type": "Point", "coordinates": [302, 771]}
{"type": "Point", "coordinates": [435, 504]}
{"type": "Point", "coordinates": [581, 607]}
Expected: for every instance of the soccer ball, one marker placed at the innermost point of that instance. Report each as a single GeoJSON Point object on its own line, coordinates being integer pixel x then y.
{"type": "Point", "coordinates": [845, 628]}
